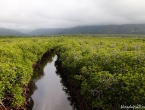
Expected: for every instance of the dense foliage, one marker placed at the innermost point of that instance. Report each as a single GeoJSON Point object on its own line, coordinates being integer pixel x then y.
{"type": "Point", "coordinates": [110, 71]}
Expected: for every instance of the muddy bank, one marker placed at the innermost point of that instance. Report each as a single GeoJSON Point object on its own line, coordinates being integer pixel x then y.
{"type": "Point", "coordinates": [73, 89]}
{"type": "Point", "coordinates": [8, 98]}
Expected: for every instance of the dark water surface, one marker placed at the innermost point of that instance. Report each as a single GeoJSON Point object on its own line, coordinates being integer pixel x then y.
{"type": "Point", "coordinates": [47, 92]}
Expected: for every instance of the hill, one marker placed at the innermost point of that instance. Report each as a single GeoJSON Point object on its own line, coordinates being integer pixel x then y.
{"type": "Point", "coordinates": [4, 31]}
{"type": "Point", "coordinates": [102, 29]}
{"type": "Point", "coordinates": [99, 29]}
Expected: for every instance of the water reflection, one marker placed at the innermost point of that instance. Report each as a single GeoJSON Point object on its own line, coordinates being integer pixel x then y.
{"type": "Point", "coordinates": [38, 72]}
{"type": "Point", "coordinates": [63, 81]}
{"type": "Point", "coordinates": [46, 90]}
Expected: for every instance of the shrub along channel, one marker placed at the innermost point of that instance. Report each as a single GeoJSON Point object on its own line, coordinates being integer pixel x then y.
{"type": "Point", "coordinates": [16, 58]}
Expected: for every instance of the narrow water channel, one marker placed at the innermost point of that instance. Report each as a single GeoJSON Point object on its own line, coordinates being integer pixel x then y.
{"type": "Point", "coordinates": [47, 89]}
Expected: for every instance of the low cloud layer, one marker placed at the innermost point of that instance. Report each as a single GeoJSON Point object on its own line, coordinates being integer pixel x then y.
{"type": "Point", "coordinates": [32, 14]}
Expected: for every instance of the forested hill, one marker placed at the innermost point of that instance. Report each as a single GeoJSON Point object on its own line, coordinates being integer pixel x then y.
{"type": "Point", "coordinates": [4, 31]}
{"type": "Point", "coordinates": [102, 29]}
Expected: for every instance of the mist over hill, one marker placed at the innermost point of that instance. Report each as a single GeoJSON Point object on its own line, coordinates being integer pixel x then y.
{"type": "Point", "coordinates": [47, 31]}
{"type": "Point", "coordinates": [25, 31]}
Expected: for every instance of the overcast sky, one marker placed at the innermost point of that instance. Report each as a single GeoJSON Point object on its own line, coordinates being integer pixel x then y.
{"type": "Point", "coordinates": [32, 14]}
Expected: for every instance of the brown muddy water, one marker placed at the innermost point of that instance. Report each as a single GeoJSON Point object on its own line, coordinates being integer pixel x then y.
{"type": "Point", "coordinates": [47, 91]}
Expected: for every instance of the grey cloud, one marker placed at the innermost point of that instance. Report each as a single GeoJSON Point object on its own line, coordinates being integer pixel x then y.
{"type": "Point", "coordinates": [68, 13]}
{"type": "Point", "coordinates": [129, 9]}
